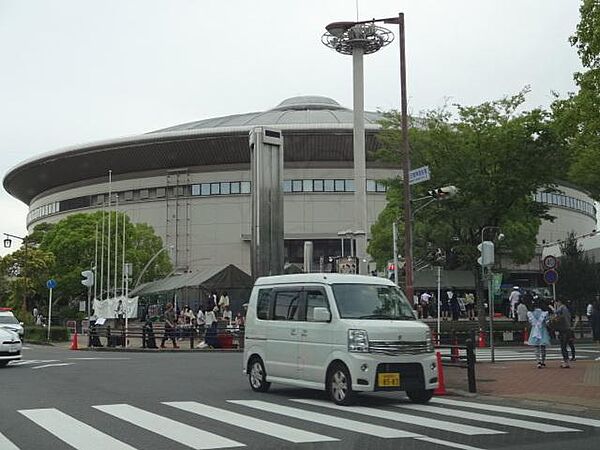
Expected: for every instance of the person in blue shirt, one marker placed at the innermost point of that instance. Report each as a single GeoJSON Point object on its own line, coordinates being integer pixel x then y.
{"type": "Point", "coordinates": [539, 335]}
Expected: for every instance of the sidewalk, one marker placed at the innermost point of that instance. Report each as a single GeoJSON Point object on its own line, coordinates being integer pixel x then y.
{"type": "Point", "coordinates": [575, 388]}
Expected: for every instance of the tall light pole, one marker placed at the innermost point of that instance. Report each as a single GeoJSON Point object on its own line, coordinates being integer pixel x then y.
{"type": "Point", "coordinates": [358, 39]}
{"type": "Point", "coordinates": [8, 244]}
{"type": "Point", "coordinates": [488, 261]}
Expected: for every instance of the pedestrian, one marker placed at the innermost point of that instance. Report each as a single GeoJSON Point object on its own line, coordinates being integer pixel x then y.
{"type": "Point", "coordinates": [35, 312]}
{"type": "Point", "coordinates": [588, 311]}
{"type": "Point", "coordinates": [561, 322]}
{"type": "Point", "coordinates": [595, 321]}
{"type": "Point", "coordinates": [227, 315]}
{"type": "Point", "coordinates": [169, 326]}
{"type": "Point", "coordinates": [513, 300]}
{"type": "Point", "coordinates": [452, 301]}
{"type": "Point", "coordinates": [522, 312]}
{"type": "Point", "coordinates": [539, 336]}
{"type": "Point", "coordinates": [425, 299]}
{"type": "Point", "coordinates": [223, 301]}
{"type": "Point", "coordinates": [470, 305]}
{"type": "Point", "coordinates": [200, 322]}
{"type": "Point", "coordinates": [211, 317]}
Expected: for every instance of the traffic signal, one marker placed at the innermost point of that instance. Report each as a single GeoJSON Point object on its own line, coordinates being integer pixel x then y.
{"type": "Point", "coordinates": [443, 193]}
{"type": "Point", "coordinates": [88, 276]}
{"type": "Point", "coordinates": [487, 254]}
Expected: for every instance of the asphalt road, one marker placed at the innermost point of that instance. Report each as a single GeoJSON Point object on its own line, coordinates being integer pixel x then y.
{"type": "Point", "coordinates": [101, 400]}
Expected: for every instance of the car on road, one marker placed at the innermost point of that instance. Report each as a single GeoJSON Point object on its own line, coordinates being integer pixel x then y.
{"type": "Point", "coordinates": [9, 322]}
{"type": "Point", "coordinates": [338, 332]}
{"type": "Point", "coordinates": [10, 347]}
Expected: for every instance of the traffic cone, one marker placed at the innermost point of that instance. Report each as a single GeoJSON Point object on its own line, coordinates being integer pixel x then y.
{"type": "Point", "coordinates": [441, 389]}
{"type": "Point", "coordinates": [74, 342]}
{"type": "Point", "coordinates": [481, 339]}
{"type": "Point", "coordinates": [525, 335]}
{"type": "Point", "coordinates": [454, 351]}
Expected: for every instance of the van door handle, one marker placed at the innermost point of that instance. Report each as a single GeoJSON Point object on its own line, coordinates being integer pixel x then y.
{"type": "Point", "coordinates": [304, 333]}
{"type": "Point", "coordinates": [293, 332]}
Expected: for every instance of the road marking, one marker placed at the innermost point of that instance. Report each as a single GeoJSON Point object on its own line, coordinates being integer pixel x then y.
{"type": "Point", "coordinates": [250, 423]}
{"type": "Point", "coordinates": [520, 412]}
{"type": "Point", "coordinates": [52, 365]}
{"type": "Point", "coordinates": [75, 433]}
{"type": "Point", "coordinates": [405, 418]}
{"type": "Point", "coordinates": [447, 443]}
{"type": "Point", "coordinates": [32, 361]}
{"type": "Point", "coordinates": [178, 432]}
{"type": "Point", "coordinates": [336, 422]}
{"type": "Point", "coordinates": [5, 444]}
{"type": "Point", "coordinates": [98, 359]}
{"type": "Point", "coordinates": [460, 414]}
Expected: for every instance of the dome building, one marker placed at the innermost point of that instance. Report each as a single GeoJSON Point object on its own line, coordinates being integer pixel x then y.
{"type": "Point", "coordinates": [191, 183]}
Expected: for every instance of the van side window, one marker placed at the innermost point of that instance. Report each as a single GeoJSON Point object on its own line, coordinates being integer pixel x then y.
{"type": "Point", "coordinates": [287, 305]}
{"type": "Point", "coordinates": [315, 299]}
{"type": "Point", "coordinates": [262, 304]}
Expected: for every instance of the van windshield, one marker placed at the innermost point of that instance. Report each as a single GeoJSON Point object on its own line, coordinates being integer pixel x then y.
{"type": "Point", "coordinates": [372, 301]}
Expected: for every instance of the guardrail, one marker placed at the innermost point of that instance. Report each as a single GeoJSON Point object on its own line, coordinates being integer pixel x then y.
{"type": "Point", "coordinates": [461, 356]}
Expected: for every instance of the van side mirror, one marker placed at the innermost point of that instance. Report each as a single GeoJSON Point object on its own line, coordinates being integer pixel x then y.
{"type": "Point", "coordinates": [321, 314]}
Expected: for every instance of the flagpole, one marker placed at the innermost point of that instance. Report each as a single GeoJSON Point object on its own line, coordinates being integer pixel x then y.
{"type": "Point", "coordinates": [116, 241]}
{"type": "Point", "coordinates": [108, 239]}
{"type": "Point", "coordinates": [102, 251]}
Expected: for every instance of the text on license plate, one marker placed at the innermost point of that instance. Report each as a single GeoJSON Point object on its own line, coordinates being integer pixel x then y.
{"type": "Point", "coordinates": [13, 349]}
{"type": "Point", "coordinates": [388, 379]}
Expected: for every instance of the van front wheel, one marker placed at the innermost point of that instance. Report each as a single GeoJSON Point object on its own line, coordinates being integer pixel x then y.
{"type": "Point", "coordinates": [257, 375]}
{"type": "Point", "coordinates": [420, 395]}
{"type": "Point", "coordinates": [339, 385]}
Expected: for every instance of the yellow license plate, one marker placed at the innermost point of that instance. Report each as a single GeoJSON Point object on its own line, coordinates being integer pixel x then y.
{"type": "Point", "coordinates": [388, 379]}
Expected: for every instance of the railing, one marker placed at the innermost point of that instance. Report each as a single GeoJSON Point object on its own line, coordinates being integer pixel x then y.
{"type": "Point", "coordinates": [461, 356]}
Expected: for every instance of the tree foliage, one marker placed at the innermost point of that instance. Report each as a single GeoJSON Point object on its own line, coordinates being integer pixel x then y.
{"type": "Point", "coordinates": [498, 158]}
{"type": "Point", "coordinates": [63, 250]}
{"type": "Point", "coordinates": [577, 275]}
{"type": "Point", "coordinates": [576, 117]}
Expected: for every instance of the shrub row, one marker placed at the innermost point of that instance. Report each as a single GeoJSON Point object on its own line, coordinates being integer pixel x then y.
{"type": "Point", "coordinates": [40, 334]}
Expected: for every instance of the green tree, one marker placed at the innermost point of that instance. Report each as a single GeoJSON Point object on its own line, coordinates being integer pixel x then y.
{"type": "Point", "coordinates": [577, 275]}
{"type": "Point", "coordinates": [497, 155]}
{"type": "Point", "coordinates": [73, 243]}
{"type": "Point", "coordinates": [576, 117]}
{"type": "Point", "coordinates": [24, 273]}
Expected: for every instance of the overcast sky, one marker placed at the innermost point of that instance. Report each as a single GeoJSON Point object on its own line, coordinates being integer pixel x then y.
{"type": "Point", "coordinates": [74, 71]}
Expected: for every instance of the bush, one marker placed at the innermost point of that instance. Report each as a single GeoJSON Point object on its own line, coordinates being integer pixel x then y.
{"type": "Point", "coordinates": [40, 334]}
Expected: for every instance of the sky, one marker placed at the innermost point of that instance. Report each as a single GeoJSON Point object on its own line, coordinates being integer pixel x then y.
{"type": "Point", "coordinates": [78, 71]}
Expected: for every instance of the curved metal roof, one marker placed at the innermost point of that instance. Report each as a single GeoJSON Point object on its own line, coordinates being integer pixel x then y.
{"type": "Point", "coordinates": [303, 110]}
{"type": "Point", "coordinates": [315, 128]}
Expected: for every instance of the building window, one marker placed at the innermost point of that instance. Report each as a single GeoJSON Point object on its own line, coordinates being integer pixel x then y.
{"type": "Point", "coordinates": [287, 185]}
{"type": "Point", "coordinates": [381, 187]}
{"type": "Point", "coordinates": [245, 187]}
{"type": "Point", "coordinates": [225, 188]}
{"type": "Point", "coordinates": [160, 192]}
{"type": "Point", "coordinates": [296, 185]}
{"type": "Point", "coordinates": [143, 194]}
{"type": "Point", "coordinates": [350, 186]}
{"type": "Point", "coordinates": [339, 186]}
{"type": "Point", "coordinates": [307, 185]}
{"type": "Point", "coordinates": [329, 185]}
{"type": "Point", "coordinates": [318, 185]}
{"type": "Point", "coordinates": [235, 187]}
{"type": "Point", "coordinates": [195, 189]}
{"type": "Point", "coordinates": [370, 185]}
{"type": "Point", "coordinates": [205, 189]}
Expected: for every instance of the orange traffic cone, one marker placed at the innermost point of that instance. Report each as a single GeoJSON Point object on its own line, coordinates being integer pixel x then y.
{"type": "Point", "coordinates": [74, 342]}
{"type": "Point", "coordinates": [441, 389]}
{"type": "Point", "coordinates": [481, 339]}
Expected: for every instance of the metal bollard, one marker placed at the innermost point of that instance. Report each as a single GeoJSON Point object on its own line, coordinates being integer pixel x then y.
{"type": "Point", "coordinates": [471, 366]}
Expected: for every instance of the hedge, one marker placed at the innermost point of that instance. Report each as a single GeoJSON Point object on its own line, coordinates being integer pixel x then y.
{"type": "Point", "coordinates": [36, 333]}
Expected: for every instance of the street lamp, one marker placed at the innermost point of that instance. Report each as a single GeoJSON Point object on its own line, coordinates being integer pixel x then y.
{"type": "Point", "coordinates": [8, 244]}
{"type": "Point", "coordinates": [490, 283]}
{"type": "Point", "coordinates": [358, 39]}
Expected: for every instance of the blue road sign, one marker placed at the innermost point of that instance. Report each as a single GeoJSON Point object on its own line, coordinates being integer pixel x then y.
{"type": "Point", "coordinates": [550, 276]}
{"type": "Point", "coordinates": [51, 284]}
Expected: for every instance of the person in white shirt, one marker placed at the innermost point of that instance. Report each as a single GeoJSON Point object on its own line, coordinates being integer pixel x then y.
{"type": "Point", "coordinates": [513, 300]}
{"type": "Point", "coordinates": [200, 322]}
{"type": "Point", "coordinates": [425, 298]}
{"type": "Point", "coordinates": [522, 312]}
{"type": "Point", "coordinates": [227, 314]}
{"type": "Point", "coordinates": [223, 301]}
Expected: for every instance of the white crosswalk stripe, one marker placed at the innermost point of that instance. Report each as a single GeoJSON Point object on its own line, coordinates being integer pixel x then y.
{"type": "Point", "coordinates": [5, 444]}
{"type": "Point", "coordinates": [405, 418]}
{"type": "Point", "coordinates": [542, 427]}
{"type": "Point", "coordinates": [178, 432]}
{"type": "Point", "coordinates": [337, 422]}
{"type": "Point", "coordinates": [75, 433]}
{"type": "Point", "coordinates": [520, 412]}
{"type": "Point", "coordinates": [250, 423]}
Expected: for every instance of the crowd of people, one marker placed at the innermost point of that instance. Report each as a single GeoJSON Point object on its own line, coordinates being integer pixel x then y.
{"type": "Point", "coordinates": [452, 305]}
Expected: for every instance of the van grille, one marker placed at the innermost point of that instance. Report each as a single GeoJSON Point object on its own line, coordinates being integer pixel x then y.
{"type": "Point", "coordinates": [399, 347]}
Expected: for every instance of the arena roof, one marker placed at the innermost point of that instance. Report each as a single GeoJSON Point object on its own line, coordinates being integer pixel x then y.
{"type": "Point", "coordinates": [315, 128]}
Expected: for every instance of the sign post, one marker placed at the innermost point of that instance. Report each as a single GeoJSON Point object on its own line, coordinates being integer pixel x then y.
{"type": "Point", "coordinates": [50, 284]}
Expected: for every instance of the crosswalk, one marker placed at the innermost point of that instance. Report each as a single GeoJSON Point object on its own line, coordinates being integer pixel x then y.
{"type": "Point", "coordinates": [284, 422]}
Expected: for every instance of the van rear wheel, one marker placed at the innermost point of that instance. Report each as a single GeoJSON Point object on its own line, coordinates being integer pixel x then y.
{"type": "Point", "coordinates": [420, 395]}
{"type": "Point", "coordinates": [339, 385]}
{"type": "Point", "coordinates": [257, 375]}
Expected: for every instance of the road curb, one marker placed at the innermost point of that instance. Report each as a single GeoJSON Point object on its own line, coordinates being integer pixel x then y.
{"type": "Point", "coordinates": [162, 350]}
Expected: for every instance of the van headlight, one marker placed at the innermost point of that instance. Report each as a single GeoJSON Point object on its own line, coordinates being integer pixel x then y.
{"type": "Point", "coordinates": [358, 341]}
{"type": "Point", "coordinates": [429, 340]}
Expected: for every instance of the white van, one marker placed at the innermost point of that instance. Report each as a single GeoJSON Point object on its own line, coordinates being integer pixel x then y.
{"type": "Point", "coordinates": [341, 333]}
